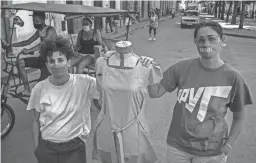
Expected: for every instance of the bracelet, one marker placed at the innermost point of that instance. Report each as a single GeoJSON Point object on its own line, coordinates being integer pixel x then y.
{"type": "Point", "coordinates": [229, 146]}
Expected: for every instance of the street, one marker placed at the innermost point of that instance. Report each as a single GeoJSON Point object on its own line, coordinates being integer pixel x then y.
{"type": "Point", "coordinates": [172, 43]}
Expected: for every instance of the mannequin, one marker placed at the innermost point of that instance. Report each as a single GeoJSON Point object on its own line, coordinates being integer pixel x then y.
{"type": "Point", "coordinates": [121, 133]}
{"type": "Point", "coordinates": [123, 56]}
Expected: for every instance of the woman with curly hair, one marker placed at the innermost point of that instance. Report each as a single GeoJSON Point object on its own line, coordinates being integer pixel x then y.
{"type": "Point", "coordinates": [61, 105]}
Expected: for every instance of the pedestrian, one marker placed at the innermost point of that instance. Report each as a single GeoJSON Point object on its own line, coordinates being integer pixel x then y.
{"type": "Point", "coordinates": [61, 106]}
{"type": "Point", "coordinates": [153, 24]}
{"type": "Point", "coordinates": [137, 16]}
{"type": "Point", "coordinates": [116, 22]}
{"type": "Point", "coordinates": [122, 134]}
{"type": "Point", "coordinates": [207, 88]}
{"type": "Point", "coordinates": [128, 23]}
{"type": "Point", "coordinates": [173, 13]}
{"type": "Point", "coordinates": [108, 22]}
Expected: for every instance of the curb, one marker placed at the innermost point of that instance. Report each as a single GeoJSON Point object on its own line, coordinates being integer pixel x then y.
{"type": "Point", "coordinates": [241, 36]}
{"type": "Point", "coordinates": [233, 34]}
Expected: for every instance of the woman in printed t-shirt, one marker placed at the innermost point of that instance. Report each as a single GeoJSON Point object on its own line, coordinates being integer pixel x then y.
{"type": "Point", "coordinates": [61, 105]}
{"type": "Point", "coordinates": [207, 87]}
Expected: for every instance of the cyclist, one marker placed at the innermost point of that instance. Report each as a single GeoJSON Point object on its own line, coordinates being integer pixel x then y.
{"type": "Point", "coordinates": [44, 32]}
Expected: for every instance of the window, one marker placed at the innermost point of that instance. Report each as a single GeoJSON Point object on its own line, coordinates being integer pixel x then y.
{"type": "Point", "coordinates": [191, 14]}
{"type": "Point", "coordinates": [113, 4]}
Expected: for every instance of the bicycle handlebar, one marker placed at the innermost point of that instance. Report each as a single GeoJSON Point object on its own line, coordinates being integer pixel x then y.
{"type": "Point", "coordinates": [18, 56]}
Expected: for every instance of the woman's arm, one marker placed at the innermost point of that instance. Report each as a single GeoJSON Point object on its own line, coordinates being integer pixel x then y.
{"type": "Point", "coordinates": [237, 126]}
{"type": "Point", "coordinates": [240, 97]}
{"type": "Point", "coordinates": [36, 128]}
{"type": "Point", "coordinates": [28, 41]}
{"type": "Point", "coordinates": [78, 44]}
{"type": "Point", "coordinates": [236, 129]}
{"type": "Point", "coordinates": [156, 90]}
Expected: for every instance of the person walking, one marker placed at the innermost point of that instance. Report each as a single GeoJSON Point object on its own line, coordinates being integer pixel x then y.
{"type": "Point", "coordinates": [153, 24]}
{"type": "Point", "coordinates": [116, 22]}
{"type": "Point", "coordinates": [207, 88]}
{"type": "Point", "coordinates": [128, 23]}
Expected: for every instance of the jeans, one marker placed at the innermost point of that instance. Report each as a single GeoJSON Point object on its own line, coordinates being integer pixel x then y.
{"type": "Point", "coordinates": [73, 151]}
{"type": "Point", "coordinates": [176, 156]}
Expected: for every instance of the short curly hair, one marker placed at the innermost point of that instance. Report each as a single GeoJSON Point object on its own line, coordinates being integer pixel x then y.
{"type": "Point", "coordinates": [60, 44]}
{"type": "Point", "coordinates": [212, 24]}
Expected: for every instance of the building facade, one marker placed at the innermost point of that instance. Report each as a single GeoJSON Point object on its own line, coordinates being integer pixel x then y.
{"type": "Point", "coordinates": [73, 26]}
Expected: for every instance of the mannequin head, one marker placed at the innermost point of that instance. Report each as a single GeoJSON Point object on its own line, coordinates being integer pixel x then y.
{"type": "Point", "coordinates": [124, 47]}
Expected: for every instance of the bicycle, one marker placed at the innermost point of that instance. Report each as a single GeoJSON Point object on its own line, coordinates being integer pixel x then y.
{"type": "Point", "coordinates": [6, 110]}
{"type": "Point", "coordinates": [10, 90]}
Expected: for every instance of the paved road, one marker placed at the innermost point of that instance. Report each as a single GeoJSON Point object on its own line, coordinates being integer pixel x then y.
{"type": "Point", "coordinates": [172, 44]}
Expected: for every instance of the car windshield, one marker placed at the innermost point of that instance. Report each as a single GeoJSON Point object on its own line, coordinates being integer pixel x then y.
{"type": "Point", "coordinates": [191, 14]}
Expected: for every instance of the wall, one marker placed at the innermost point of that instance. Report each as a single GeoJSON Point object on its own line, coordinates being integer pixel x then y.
{"type": "Point", "coordinates": [28, 29]}
{"type": "Point", "coordinates": [118, 4]}
{"type": "Point", "coordinates": [56, 19]}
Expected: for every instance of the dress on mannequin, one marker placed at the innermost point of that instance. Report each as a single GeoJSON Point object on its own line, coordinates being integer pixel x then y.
{"type": "Point", "coordinates": [121, 133]}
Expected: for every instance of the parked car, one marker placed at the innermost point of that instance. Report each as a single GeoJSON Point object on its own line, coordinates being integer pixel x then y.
{"type": "Point", "coordinates": [190, 18]}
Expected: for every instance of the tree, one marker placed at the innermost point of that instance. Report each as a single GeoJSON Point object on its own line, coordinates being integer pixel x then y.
{"type": "Point", "coordinates": [215, 9]}
{"type": "Point", "coordinates": [229, 9]}
{"type": "Point", "coordinates": [223, 10]}
{"type": "Point", "coordinates": [241, 24]}
{"type": "Point", "coordinates": [253, 10]}
{"type": "Point", "coordinates": [233, 21]}
{"type": "Point", "coordinates": [219, 11]}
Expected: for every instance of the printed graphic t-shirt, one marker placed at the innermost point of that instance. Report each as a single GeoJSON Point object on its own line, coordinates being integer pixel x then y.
{"type": "Point", "coordinates": [64, 110]}
{"type": "Point", "coordinates": [198, 125]}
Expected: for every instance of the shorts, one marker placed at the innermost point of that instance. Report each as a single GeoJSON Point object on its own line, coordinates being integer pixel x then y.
{"type": "Point", "coordinates": [73, 151]}
{"type": "Point", "coordinates": [37, 62]}
{"type": "Point", "coordinates": [150, 29]}
{"type": "Point", "coordinates": [176, 156]}
{"type": "Point", "coordinates": [34, 62]}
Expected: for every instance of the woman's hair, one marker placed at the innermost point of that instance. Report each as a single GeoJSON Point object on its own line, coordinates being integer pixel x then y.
{"type": "Point", "coordinates": [60, 44]}
{"type": "Point", "coordinates": [212, 24]}
{"type": "Point", "coordinates": [87, 19]}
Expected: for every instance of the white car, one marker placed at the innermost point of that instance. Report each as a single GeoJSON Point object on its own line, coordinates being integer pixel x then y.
{"type": "Point", "coordinates": [190, 18]}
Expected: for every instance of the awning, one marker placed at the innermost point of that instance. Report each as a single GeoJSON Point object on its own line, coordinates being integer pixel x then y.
{"type": "Point", "coordinates": [67, 9]}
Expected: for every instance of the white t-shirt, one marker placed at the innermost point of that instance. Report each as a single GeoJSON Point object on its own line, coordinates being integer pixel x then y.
{"type": "Point", "coordinates": [64, 110]}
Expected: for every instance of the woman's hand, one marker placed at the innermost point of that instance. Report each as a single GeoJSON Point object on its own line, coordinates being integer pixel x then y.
{"type": "Point", "coordinates": [108, 54]}
{"type": "Point", "coordinates": [105, 49]}
{"type": "Point", "coordinates": [25, 51]}
{"type": "Point", "coordinates": [146, 61]}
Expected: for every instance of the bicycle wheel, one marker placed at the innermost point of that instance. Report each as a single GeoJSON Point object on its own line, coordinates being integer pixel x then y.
{"type": "Point", "coordinates": [7, 119]}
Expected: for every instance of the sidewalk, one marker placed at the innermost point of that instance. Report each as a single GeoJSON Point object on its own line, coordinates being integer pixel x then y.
{"type": "Point", "coordinates": [249, 30]}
